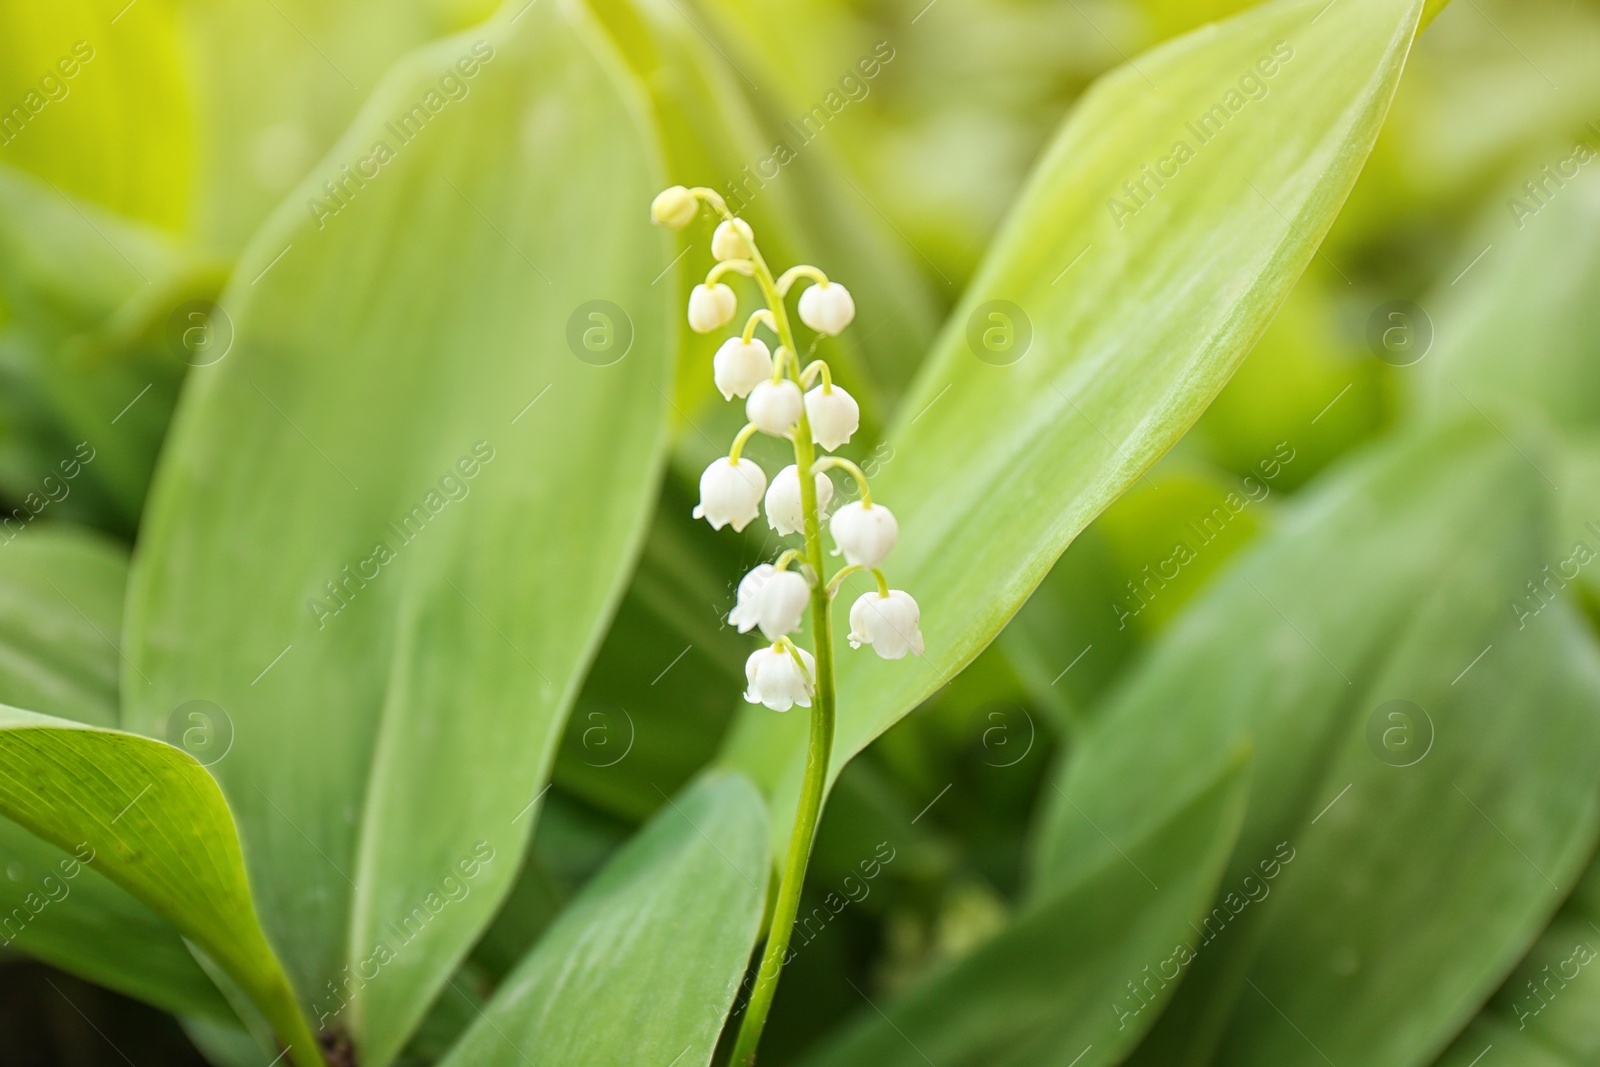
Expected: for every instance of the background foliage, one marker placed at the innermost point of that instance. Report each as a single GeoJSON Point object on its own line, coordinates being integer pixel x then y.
{"type": "Point", "coordinates": [362, 671]}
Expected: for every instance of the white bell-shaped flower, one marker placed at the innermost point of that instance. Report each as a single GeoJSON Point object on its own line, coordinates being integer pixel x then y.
{"type": "Point", "coordinates": [864, 533]}
{"type": "Point", "coordinates": [784, 513]}
{"type": "Point", "coordinates": [739, 366]}
{"type": "Point", "coordinates": [732, 240]}
{"type": "Point", "coordinates": [730, 493]}
{"type": "Point", "coordinates": [771, 599]}
{"type": "Point", "coordinates": [777, 681]}
{"type": "Point", "coordinates": [827, 307]}
{"type": "Point", "coordinates": [774, 406]}
{"type": "Point", "coordinates": [890, 624]}
{"type": "Point", "coordinates": [834, 415]}
{"type": "Point", "coordinates": [675, 208]}
{"type": "Point", "coordinates": [711, 306]}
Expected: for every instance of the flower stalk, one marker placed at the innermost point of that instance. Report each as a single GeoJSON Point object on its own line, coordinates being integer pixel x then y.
{"type": "Point", "coordinates": [782, 675]}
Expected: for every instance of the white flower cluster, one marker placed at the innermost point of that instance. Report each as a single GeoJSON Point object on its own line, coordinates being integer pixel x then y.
{"type": "Point", "coordinates": [782, 401]}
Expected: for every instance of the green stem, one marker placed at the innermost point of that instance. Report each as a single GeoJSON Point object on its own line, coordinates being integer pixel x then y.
{"type": "Point", "coordinates": [276, 1001]}
{"type": "Point", "coordinates": [828, 463]}
{"type": "Point", "coordinates": [883, 583]}
{"type": "Point", "coordinates": [820, 749]}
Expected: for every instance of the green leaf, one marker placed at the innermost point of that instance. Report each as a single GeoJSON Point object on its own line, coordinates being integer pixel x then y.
{"type": "Point", "coordinates": [1544, 1015]}
{"type": "Point", "coordinates": [97, 104]}
{"type": "Point", "coordinates": [1425, 752]}
{"type": "Point", "coordinates": [1522, 329]}
{"type": "Point", "coordinates": [428, 501]}
{"type": "Point", "coordinates": [1057, 987]}
{"type": "Point", "coordinates": [89, 377]}
{"type": "Point", "coordinates": [60, 615]}
{"type": "Point", "coordinates": [663, 933]}
{"type": "Point", "coordinates": [996, 468]}
{"type": "Point", "coordinates": [150, 818]}
{"type": "Point", "coordinates": [276, 85]}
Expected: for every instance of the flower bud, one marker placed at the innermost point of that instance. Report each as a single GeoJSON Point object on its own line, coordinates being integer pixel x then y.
{"type": "Point", "coordinates": [784, 513]}
{"type": "Point", "coordinates": [739, 366]}
{"type": "Point", "coordinates": [774, 406]}
{"type": "Point", "coordinates": [711, 306]}
{"type": "Point", "coordinates": [890, 624]}
{"type": "Point", "coordinates": [776, 680]}
{"type": "Point", "coordinates": [730, 493]}
{"type": "Point", "coordinates": [827, 308]}
{"type": "Point", "coordinates": [834, 415]}
{"type": "Point", "coordinates": [771, 599]}
{"type": "Point", "coordinates": [732, 240]}
{"type": "Point", "coordinates": [675, 207]}
{"type": "Point", "coordinates": [864, 533]}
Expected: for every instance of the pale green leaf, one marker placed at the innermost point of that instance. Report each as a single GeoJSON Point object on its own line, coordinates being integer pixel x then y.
{"type": "Point", "coordinates": [96, 102]}
{"type": "Point", "coordinates": [427, 501]}
{"type": "Point", "coordinates": [1128, 345]}
{"type": "Point", "coordinates": [277, 83]}
{"type": "Point", "coordinates": [643, 966]}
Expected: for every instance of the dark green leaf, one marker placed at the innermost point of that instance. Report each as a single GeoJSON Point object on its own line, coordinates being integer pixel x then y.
{"type": "Point", "coordinates": [1425, 756]}
{"type": "Point", "coordinates": [1083, 971]}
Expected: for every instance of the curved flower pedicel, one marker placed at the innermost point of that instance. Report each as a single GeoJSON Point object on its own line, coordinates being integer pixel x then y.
{"type": "Point", "coordinates": [803, 405]}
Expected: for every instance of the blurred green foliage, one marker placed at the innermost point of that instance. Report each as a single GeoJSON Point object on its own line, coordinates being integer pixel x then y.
{"type": "Point", "coordinates": [1192, 681]}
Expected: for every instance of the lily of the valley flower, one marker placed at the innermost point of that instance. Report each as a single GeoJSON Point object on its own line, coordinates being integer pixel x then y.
{"type": "Point", "coordinates": [784, 512]}
{"type": "Point", "coordinates": [777, 681]}
{"type": "Point", "coordinates": [890, 624]}
{"type": "Point", "coordinates": [771, 599]}
{"type": "Point", "coordinates": [730, 493]}
{"type": "Point", "coordinates": [675, 208]}
{"type": "Point", "coordinates": [739, 366]}
{"type": "Point", "coordinates": [732, 240]}
{"type": "Point", "coordinates": [834, 415]}
{"type": "Point", "coordinates": [827, 307]}
{"type": "Point", "coordinates": [864, 533]}
{"type": "Point", "coordinates": [711, 306]}
{"type": "Point", "coordinates": [774, 407]}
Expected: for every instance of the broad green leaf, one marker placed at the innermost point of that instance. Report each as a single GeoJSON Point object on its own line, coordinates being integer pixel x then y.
{"type": "Point", "coordinates": [1544, 1016]}
{"type": "Point", "coordinates": [1070, 980]}
{"type": "Point", "coordinates": [95, 102]}
{"type": "Point", "coordinates": [147, 816]}
{"type": "Point", "coordinates": [60, 616]}
{"type": "Point", "coordinates": [1112, 356]}
{"type": "Point", "coordinates": [427, 499]}
{"type": "Point", "coordinates": [89, 372]}
{"type": "Point", "coordinates": [1522, 328]}
{"type": "Point", "coordinates": [1426, 757]}
{"type": "Point", "coordinates": [662, 935]}
{"type": "Point", "coordinates": [277, 83]}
